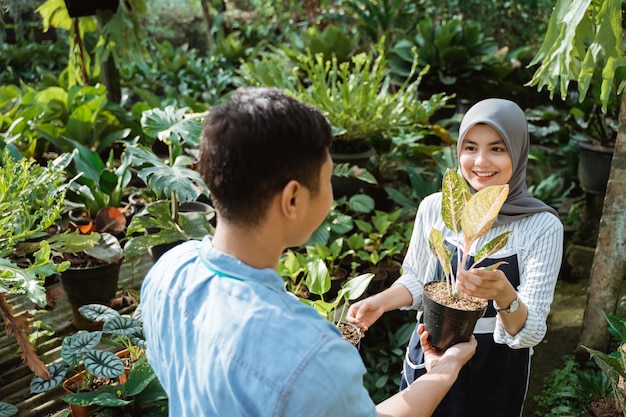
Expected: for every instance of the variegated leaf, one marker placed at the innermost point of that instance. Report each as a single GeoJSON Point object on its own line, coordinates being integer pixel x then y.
{"type": "Point", "coordinates": [496, 265]}
{"type": "Point", "coordinates": [103, 364]}
{"type": "Point", "coordinates": [481, 211]}
{"type": "Point", "coordinates": [454, 192]}
{"type": "Point", "coordinates": [440, 250]}
{"type": "Point", "coordinates": [492, 246]}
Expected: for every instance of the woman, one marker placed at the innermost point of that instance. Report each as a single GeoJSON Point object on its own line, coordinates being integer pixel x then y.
{"type": "Point", "coordinates": [493, 150]}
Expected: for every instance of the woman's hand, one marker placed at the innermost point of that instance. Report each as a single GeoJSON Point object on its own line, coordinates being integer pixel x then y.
{"type": "Point", "coordinates": [365, 313]}
{"type": "Point", "coordinates": [483, 283]}
{"type": "Point", "coordinates": [458, 354]}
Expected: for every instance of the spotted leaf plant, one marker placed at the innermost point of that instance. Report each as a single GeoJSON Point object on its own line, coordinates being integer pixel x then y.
{"type": "Point", "coordinates": [470, 216]}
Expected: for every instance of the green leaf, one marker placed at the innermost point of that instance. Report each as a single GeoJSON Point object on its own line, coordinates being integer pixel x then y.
{"type": "Point", "coordinates": [355, 287]}
{"type": "Point", "coordinates": [98, 312]}
{"type": "Point", "coordinates": [58, 371]}
{"type": "Point", "coordinates": [105, 397]}
{"type": "Point", "coordinates": [103, 364]}
{"type": "Point", "coordinates": [173, 126]}
{"type": "Point", "coordinates": [318, 277]}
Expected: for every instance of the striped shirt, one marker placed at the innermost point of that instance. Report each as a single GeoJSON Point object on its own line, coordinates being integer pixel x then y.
{"type": "Point", "coordinates": [537, 243]}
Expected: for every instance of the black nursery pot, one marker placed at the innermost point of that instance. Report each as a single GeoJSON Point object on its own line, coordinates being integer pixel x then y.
{"type": "Point", "coordinates": [448, 326]}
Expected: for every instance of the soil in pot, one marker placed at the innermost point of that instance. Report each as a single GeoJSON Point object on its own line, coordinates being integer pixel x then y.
{"type": "Point", "coordinates": [71, 386]}
{"type": "Point", "coordinates": [603, 407]}
{"type": "Point", "coordinates": [351, 333]}
{"type": "Point", "coordinates": [450, 319]}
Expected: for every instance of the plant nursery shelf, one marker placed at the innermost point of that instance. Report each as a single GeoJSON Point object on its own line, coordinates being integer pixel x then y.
{"type": "Point", "coordinates": [15, 376]}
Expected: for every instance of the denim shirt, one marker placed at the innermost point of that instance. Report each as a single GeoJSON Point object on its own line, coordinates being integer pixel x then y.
{"type": "Point", "coordinates": [226, 339]}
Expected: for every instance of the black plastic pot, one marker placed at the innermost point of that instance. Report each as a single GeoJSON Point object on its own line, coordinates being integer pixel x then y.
{"type": "Point", "coordinates": [448, 326]}
{"type": "Point", "coordinates": [92, 285]}
{"type": "Point", "coordinates": [594, 167]}
{"type": "Point", "coordinates": [190, 206]}
{"type": "Point", "coordinates": [79, 8]}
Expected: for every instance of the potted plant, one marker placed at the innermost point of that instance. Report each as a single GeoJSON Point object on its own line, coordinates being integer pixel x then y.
{"type": "Point", "coordinates": [449, 314]}
{"type": "Point", "coordinates": [318, 282]}
{"type": "Point", "coordinates": [136, 390]}
{"type": "Point", "coordinates": [176, 215]}
{"type": "Point", "coordinates": [100, 185]}
{"type": "Point", "coordinates": [91, 368]}
{"type": "Point", "coordinates": [95, 260]}
{"type": "Point", "coordinates": [32, 201]}
{"type": "Point", "coordinates": [458, 57]}
{"type": "Point", "coordinates": [613, 365]}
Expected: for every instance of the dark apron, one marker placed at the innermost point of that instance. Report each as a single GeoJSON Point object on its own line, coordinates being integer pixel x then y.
{"type": "Point", "coordinates": [493, 383]}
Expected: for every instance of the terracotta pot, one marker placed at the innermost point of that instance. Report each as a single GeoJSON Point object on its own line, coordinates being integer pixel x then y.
{"type": "Point", "coordinates": [77, 410]}
{"type": "Point", "coordinates": [446, 325]}
{"type": "Point", "coordinates": [124, 354]}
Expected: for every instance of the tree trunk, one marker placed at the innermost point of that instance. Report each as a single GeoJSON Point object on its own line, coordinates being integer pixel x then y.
{"type": "Point", "coordinates": [208, 22]}
{"type": "Point", "coordinates": [109, 73]}
{"type": "Point", "coordinates": [609, 262]}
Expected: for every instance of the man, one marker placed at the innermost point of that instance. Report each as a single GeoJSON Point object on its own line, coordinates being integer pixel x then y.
{"type": "Point", "coordinates": [224, 337]}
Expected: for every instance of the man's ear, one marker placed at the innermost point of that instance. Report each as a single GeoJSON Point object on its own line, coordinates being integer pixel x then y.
{"type": "Point", "coordinates": [290, 198]}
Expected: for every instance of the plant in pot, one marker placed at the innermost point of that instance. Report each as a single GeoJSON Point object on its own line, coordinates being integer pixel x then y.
{"type": "Point", "coordinates": [449, 314]}
{"type": "Point", "coordinates": [318, 283]}
{"type": "Point", "coordinates": [31, 200]}
{"type": "Point", "coordinates": [594, 131]}
{"type": "Point", "coordinates": [137, 391]}
{"type": "Point", "coordinates": [98, 188]}
{"type": "Point", "coordinates": [177, 215]}
{"type": "Point", "coordinates": [614, 367]}
{"type": "Point", "coordinates": [90, 367]}
{"type": "Point", "coordinates": [458, 56]}
{"type": "Point", "coordinates": [95, 260]}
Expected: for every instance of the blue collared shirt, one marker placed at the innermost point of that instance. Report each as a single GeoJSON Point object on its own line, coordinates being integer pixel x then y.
{"type": "Point", "coordinates": [227, 340]}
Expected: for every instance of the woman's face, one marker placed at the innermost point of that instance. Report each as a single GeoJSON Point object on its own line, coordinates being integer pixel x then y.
{"type": "Point", "coordinates": [484, 158]}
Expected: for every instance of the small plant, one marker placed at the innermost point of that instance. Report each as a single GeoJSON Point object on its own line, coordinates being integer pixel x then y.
{"type": "Point", "coordinates": [126, 331]}
{"type": "Point", "coordinates": [173, 181]}
{"type": "Point", "coordinates": [614, 365]}
{"type": "Point", "coordinates": [471, 215]}
{"type": "Point", "coordinates": [31, 200]}
{"type": "Point", "coordinates": [292, 268]}
{"type": "Point", "coordinates": [79, 353]}
{"type": "Point", "coordinates": [318, 282]}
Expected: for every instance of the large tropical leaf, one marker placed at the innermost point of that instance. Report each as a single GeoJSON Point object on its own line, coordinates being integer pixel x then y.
{"type": "Point", "coordinates": [173, 126]}
{"type": "Point", "coordinates": [103, 364]}
{"type": "Point", "coordinates": [58, 371]}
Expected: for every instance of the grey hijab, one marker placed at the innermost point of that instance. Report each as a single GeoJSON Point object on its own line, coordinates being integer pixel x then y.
{"type": "Point", "coordinates": [508, 119]}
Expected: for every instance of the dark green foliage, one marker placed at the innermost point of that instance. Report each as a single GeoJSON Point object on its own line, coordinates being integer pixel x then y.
{"type": "Point", "coordinates": [566, 390]}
